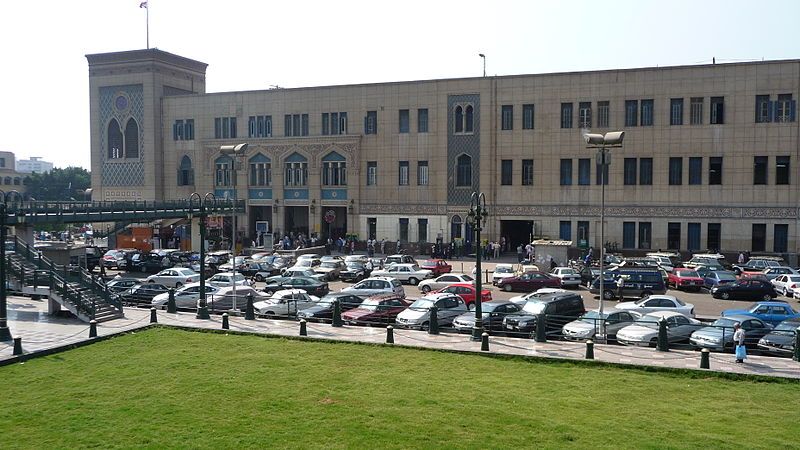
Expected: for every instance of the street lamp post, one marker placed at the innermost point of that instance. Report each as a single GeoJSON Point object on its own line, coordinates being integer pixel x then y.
{"type": "Point", "coordinates": [235, 152]}
{"type": "Point", "coordinates": [477, 214]}
{"type": "Point", "coordinates": [202, 310]}
{"type": "Point", "coordinates": [603, 142]}
{"type": "Point", "coordinates": [484, 63]}
{"type": "Point", "coordinates": [5, 333]}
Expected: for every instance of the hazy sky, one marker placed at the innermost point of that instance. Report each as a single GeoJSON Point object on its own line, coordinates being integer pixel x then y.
{"type": "Point", "coordinates": [251, 44]}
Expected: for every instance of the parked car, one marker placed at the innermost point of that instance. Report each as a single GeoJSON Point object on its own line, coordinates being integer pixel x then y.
{"type": "Point", "coordinates": [569, 277]}
{"type": "Point", "coordinates": [302, 272]}
{"type": "Point", "coordinates": [277, 262]}
{"type": "Point", "coordinates": [520, 300]}
{"type": "Point", "coordinates": [185, 297]}
{"type": "Point", "coordinates": [528, 282]}
{"type": "Point", "coordinates": [378, 309]}
{"type": "Point", "coordinates": [589, 274]}
{"type": "Point", "coordinates": [685, 279]}
{"type": "Point", "coordinates": [323, 309]}
{"type": "Point", "coordinates": [233, 262]}
{"type": "Point", "coordinates": [259, 271]}
{"type": "Point", "coordinates": [639, 282]}
{"type": "Point", "coordinates": [657, 303]}
{"type": "Point", "coordinates": [644, 331]}
{"type": "Point", "coordinates": [285, 302]}
{"type": "Point", "coordinates": [707, 259]}
{"type": "Point", "coordinates": [774, 272]}
{"type": "Point", "coordinates": [442, 281]}
{"type": "Point", "coordinates": [307, 263]}
{"type": "Point", "coordinates": [376, 285]}
{"type": "Point", "coordinates": [118, 285]}
{"type": "Point", "coordinates": [115, 259]}
{"type": "Point", "coordinates": [216, 259]}
{"type": "Point", "coordinates": [773, 312]}
{"type": "Point", "coordinates": [714, 278]}
{"type": "Point", "coordinates": [786, 284]}
{"type": "Point", "coordinates": [501, 271]}
{"type": "Point", "coordinates": [492, 315]}
{"type": "Point", "coordinates": [757, 264]}
{"type": "Point", "coordinates": [719, 335]}
{"type": "Point", "coordinates": [781, 339]}
{"type": "Point", "coordinates": [330, 269]}
{"type": "Point", "coordinates": [227, 298]}
{"type": "Point", "coordinates": [355, 270]}
{"type": "Point", "coordinates": [666, 260]}
{"type": "Point", "coordinates": [436, 266]}
{"type": "Point", "coordinates": [228, 279]}
{"type": "Point", "coordinates": [594, 322]}
{"type": "Point", "coordinates": [745, 289]}
{"type": "Point", "coordinates": [398, 259]}
{"type": "Point", "coordinates": [310, 285]}
{"type": "Point", "coordinates": [142, 293]}
{"type": "Point", "coordinates": [467, 292]}
{"type": "Point", "coordinates": [405, 273]}
{"type": "Point", "coordinates": [176, 277]}
{"type": "Point", "coordinates": [561, 308]}
{"type": "Point", "coordinates": [418, 315]}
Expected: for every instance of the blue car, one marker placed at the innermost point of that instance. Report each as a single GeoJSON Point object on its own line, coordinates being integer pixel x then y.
{"type": "Point", "coordinates": [772, 313]}
{"type": "Point", "coordinates": [713, 278]}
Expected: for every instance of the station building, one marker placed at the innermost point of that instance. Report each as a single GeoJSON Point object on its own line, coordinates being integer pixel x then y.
{"type": "Point", "coordinates": [709, 159]}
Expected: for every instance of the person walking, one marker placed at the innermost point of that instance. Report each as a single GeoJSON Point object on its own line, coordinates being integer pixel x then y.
{"type": "Point", "coordinates": [383, 246]}
{"type": "Point", "coordinates": [738, 340]}
{"type": "Point", "coordinates": [520, 253]}
{"type": "Point", "coordinates": [553, 264]}
{"type": "Point", "coordinates": [741, 258]}
{"type": "Point", "coordinates": [620, 286]}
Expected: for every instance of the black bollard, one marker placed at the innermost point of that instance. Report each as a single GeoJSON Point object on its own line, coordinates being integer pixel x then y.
{"type": "Point", "coordinates": [337, 314]}
{"type": "Point", "coordinates": [303, 329]}
{"type": "Point", "coordinates": [153, 318]}
{"type": "Point", "coordinates": [93, 328]}
{"type": "Point", "coordinates": [17, 346]}
{"type": "Point", "coordinates": [433, 324]}
{"type": "Point", "coordinates": [663, 342]}
{"type": "Point", "coordinates": [390, 334]}
{"type": "Point", "coordinates": [797, 344]}
{"type": "Point", "coordinates": [225, 324]}
{"type": "Point", "coordinates": [704, 359]}
{"type": "Point", "coordinates": [589, 349]}
{"type": "Point", "coordinates": [250, 313]}
{"type": "Point", "coordinates": [171, 307]}
{"type": "Point", "coordinates": [485, 342]}
{"type": "Point", "coordinates": [541, 328]}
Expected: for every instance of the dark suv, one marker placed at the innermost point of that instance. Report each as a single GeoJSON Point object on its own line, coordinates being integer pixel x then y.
{"type": "Point", "coordinates": [559, 308]}
{"type": "Point", "coordinates": [639, 282]}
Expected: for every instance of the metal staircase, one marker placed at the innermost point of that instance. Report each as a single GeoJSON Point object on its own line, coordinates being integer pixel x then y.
{"type": "Point", "coordinates": [74, 288]}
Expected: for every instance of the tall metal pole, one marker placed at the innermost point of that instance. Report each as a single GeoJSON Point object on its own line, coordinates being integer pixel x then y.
{"type": "Point", "coordinates": [602, 224]}
{"type": "Point", "coordinates": [5, 333]}
{"type": "Point", "coordinates": [478, 212]}
{"type": "Point", "coordinates": [233, 228]}
{"type": "Point", "coordinates": [202, 311]}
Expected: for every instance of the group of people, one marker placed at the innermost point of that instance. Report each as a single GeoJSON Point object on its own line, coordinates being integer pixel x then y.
{"type": "Point", "coordinates": [526, 252]}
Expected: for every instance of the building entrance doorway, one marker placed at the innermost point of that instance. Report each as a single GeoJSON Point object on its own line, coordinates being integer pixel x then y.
{"type": "Point", "coordinates": [333, 223]}
{"type": "Point", "coordinates": [296, 220]}
{"type": "Point", "coordinates": [516, 232]}
{"type": "Point", "coordinates": [259, 214]}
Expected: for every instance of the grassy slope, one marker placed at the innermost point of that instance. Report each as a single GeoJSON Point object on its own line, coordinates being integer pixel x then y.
{"type": "Point", "coordinates": [169, 388]}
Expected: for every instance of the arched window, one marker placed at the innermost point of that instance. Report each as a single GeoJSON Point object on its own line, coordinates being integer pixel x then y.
{"type": "Point", "coordinates": [185, 172]}
{"type": "Point", "coordinates": [260, 170]}
{"type": "Point", "coordinates": [7, 180]}
{"type": "Point", "coordinates": [296, 170]}
{"type": "Point", "coordinates": [26, 181]}
{"type": "Point", "coordinates": [132, 139]}
{"type": "Point", "coordinates": [114, 140]}
{"type": "Point", "coordinates": [468, 126]}
{"type": "Point", "coordinates": [455, 227]}
{"type": "Point", "coordinates": [334, 170]}
{"type": "Point", "coordinates": [464, 171]}
{"type": "Point", "coordinates": [223, 166]}
{"type": "Point", "coordinates": [16, 181]}
{"type": "Point", "coordinates": [459, 119]}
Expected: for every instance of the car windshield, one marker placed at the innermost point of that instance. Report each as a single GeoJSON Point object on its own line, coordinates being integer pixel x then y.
{"type": "Point", "coordinates": [568, 271]}
{"type": "Point", "coordinates": [534, 307]}
{"type": "Point", "coordinates": [592, 316]}
{"type": "Point", "coordinates": [355, 265]}
{"type": "Point", "coordinates": [467, 278]}
{"type": "Point", "coordinates": [725, 322]}
{"type": "Point", "coordinates": [422, 304]}
{"type": "Point", "coordinates": [370, 304]}
{"type": "Point", "coordinates": [501, 269]}
{"type": "Point", "coordinates": [330, 265]}
{"type": "Point", "coordinates": [687, 273]}
{"type": "Point", "coordinates": [787, 326]}
{"type": "Point", "coordinates": [726, 277]}
{"type": "Point", "coordinates": [648, 321]}
{"type": "Point", "coordinates": [794, 278]}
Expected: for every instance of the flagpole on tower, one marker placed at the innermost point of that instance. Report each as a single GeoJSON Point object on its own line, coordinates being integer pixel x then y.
{"type": "Point", "coordinates": [147, 12]}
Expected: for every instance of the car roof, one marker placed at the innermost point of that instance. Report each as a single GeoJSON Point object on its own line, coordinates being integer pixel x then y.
{"type": "Point", "coordinates": [670, 297]}
{"type": "Point", "coordinates": [284, 292]}
{"type": "Point", "coordinates": [553, 296]}
{"type": "Point", "coordinates": [226, 289]}
{"type": "Point", "coordinates": [380, 278]}
{"type": "Point", "coordinates": [385, 297]}
{"type": "Point", "coordinates": [664, 314]}
{"type": "Point", "coordinates": [772, 303]}
{"type": "Point", "coordinates": [739, 317]}
{"type": "Point", "coordinates": [439, 295]}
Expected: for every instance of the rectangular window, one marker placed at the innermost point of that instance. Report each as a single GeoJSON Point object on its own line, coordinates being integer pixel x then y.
{"type": "Point", "coordinates": [527, 172]}
{"type": "Point", "coordinates": [647, 113]}
{"type": "Point", "coordinates": [676, 171]}
{"type": "Point", "coordinates": [676, 111]}
{"type": "Point", "coordinates": [260, 174]}
{"type": "Point", "coordinates": [296, 174]}
{"type": "Point", "coordinates": [695, 170]}
{"type": "Point", "coordinates": [583, 233]}
{"type": "Point", "coordinates": [760, 169]}
{"type": "Point", "coordinates": [287, 125]}
{"type": "Point", "coordinates": [372, 173]}
{"type": "Point", "coordinates": [782, 166]}
{"type": "Point", "coordinates": [674, 235]}
{"type": "Point", "coordinates": [422, 120]}
{"type": "Point", "coordinates": [223, 174]}
{"type": "Point", "coordinates": [304, 122]}
{"type": "Point", "coordinates": [565, 230]}
{"type": "Point", "coordinates": [224, 127]}
{"type": "Point", "coordinates": [527, 117]}
{"type": "Point", "coordinates": [188, 130]}
{"type": "Point", "coordinates": [342, 123]}
{"type": "Point", "coordinates": [566, 115]}
{"type": "Point", "coordinates": [717, 110]}
{"type": "Point", "coordinates": [629, 171]}
{"type": "Point", "coordinates": [404, 121]}
{"type": "Point", "coordinates": [325, 124]}
{"type": "Point", "coordinates": [646, 171]}
{"type": "Point", "coordinates": [371, 122]}
{"type": "Point", "coordinates": [372, 227]}
{"type": "Point", "coordinates": [422, 173]}
{"type": "Point", "coordinates": [507, 117]}
{"type": "Point", "coordinates": [780, 239]}
{"type": "Point", "coordinates": [693, 236]}
{"type": "Point", "coordinates": [631, 112]}
{"type": "Point", "coordinates": [217, 128]}
{"type": "Point", "coordinates": [601, 173]}
{"type": "Point", "coordinates": [402, 179]}
{"type": "Point", "coordinates": [762, 109]}
{"type": "Point", "coordinates": [585, 114]}
{"type": "Point", "coordinates": [259, 126]}
{"type": "Point", "coordinates": [403, 230]}
{"type": "Point", "coordinates": [602, 114]}
{"type": "Point", "coordinates": [584, 171]}
{"type": "Point", "coordinates": [759, 243]}
{"type": "Point", "coordinates": [785, 108]}
{"type": "Point", "coordinates": [296, 125]}
{"type": "Point", "coordinates": [422, 230]}
{"type": "Point", "coordinates": [696, 111]}
{"type": "Point", "coordinates": [645, 235]}
{"type": "Point", "coordinates": [628, 235]}
{"type": "Point", "coordinates": [334, 173]}
{"type": "Point", "coordinates": [713, 238]}
{"type": "Point", "coordinates": [334, 121]}
{"type": "Point", "coordinates": [715, 170]}
{"type": "Point", "coordinates": [177, 130]}
{"type": "Point", "coordinates": [566, 172]}
{"type": "Point", "coordinates": [506, 172]}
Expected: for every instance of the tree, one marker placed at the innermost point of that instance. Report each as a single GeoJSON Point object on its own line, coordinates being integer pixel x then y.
{"type": "Point", "coordinates": [59, 184]}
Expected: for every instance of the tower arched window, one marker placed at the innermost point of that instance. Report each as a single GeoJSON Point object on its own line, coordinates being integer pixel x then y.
{"type": "Point", "coordinates": [468, 125]}
{"type": "Point", "coordinates": [459, 119]}
{"type": "Point", "coordinates": [455, 227]}
{"type": "Point", "coordinates": [223, 167]}
{"type": "Point", "coordinates": [464, 171]}
{"type": "Point", "coordinates": [114, 136]}
{"type": "Point", "coordinates": [185, 172]}
{"type": "Point", "coordinates": [260, 170]}
{"type": "Point", "coordinates": [132, 139]}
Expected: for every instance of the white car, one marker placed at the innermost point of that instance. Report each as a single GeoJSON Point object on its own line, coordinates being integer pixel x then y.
{"type": "Point", "coordinates": [176, 277]}
{"type": "Point", "coordinates": [376, 286]}
{"type": "Point", "coordinates": [223, 279]}
{"type": "Point", "coordinates": [404, 273]}
{"type": "Point", "coordinates": [330, 268]}
{"type": "Point", "coordinates": [418, 315]}
{"type": "Point", "coordinates": [307, 263]}
{"type": "Point", "coordinates": [520, 300]}
{"type": "Point", "coordinates": [228, 266]}
{"type": "Point", "coordinates": [502, 271]}
{"type": "Point", "coordinates": [434, 284]}
{"type": "Point", "coordinates": [226, 298]}
{"type": "Point", "coordinates": [185, 297]}
{"type": "Point", "coordinates": [786, 284]}
{"type": "Point", "coordinates": [592, 322]}
{"type": "Point", "coordinates": [569, 276]}
{"type": "Point", "coordinates": [645, 330]}
{"type": "Point", "coordinates": [655, 303]}
{"type": "Point", "coordinates": [285, 302]}
{"type": "Point", "coordinates": [303, 272]}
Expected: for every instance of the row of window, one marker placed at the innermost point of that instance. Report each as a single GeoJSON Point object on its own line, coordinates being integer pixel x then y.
{"type": "Point", "coordinates": [183, 130]}
{"type": "Point", "coordinates": [403, 229]}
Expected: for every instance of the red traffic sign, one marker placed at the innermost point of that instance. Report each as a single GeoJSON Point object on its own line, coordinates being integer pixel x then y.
{"type": "Point", "coordinates": [330, 216]}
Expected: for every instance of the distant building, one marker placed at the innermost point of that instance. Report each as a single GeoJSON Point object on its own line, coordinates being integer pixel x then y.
{"type": "Point", "coordinates": [11, 179]}
{"type": "Point", "coordinates": [35, 164]}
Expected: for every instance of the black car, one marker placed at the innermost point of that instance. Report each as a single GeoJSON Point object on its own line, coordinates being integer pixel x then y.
{"type": "Point", "coordinates": [781, 339]}
{"type": "Point", "coordinates": [310, 285]}
{"type": "Point", "coordinates": [324, 308]}
{"type": "Point", "coordinates": [154, 262]}
{"type": "Point", "coordinates": [588, 274]}
{"type": "Point", "coordinates": [250, 268]}
{"type": "Point", "coordinates": [492, 316]}
{"type": "Point", "coordinates": [142, 294]}
{"type": "Point", "coordinates": [118, 285]}
{"type": "Point", "coordinates": [559, 309]}
{"type": "Point", "coordinates": [355, 271]}
{"type": "Point", "coordinates": [745, 289]}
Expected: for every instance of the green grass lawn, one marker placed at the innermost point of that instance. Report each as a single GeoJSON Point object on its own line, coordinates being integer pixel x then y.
{"type": "Point", "coordinates": [170, 388]}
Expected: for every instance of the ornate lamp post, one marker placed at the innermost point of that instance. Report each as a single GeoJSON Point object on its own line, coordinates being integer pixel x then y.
{"type": "Point", "coordinates": [477, 214]}
{"type": "Point", "coordinates": [5, 333]}
{"type": "Point", "coordinates": [202, 311]}
{"type": "Point", "coordinates": [235, 152]}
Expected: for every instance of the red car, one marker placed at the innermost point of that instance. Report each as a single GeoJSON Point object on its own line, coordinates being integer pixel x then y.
{"type": "Point", "coordinates": [686, 279]}
{"type": "Point", "coordinates": [467, 292]}
{"type": "Point", "coordinates": [437, 266]}
{"type": "Point", "coordinates": [378, 309]}
{"type": "Point", "coordinates": [529, 282]}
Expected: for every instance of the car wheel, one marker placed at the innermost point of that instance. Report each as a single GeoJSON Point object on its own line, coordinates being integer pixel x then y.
{"type": "Point", "coordinates": [766, 297]}
{"type": "Point", "coordinates": [412, 281]}
{"type": "Point", "coordinates": [507, 288]}
{"type": "Point", "coordinates": [645, 294]}
{"type": "Point", "coordinates": [178, 285]}
{"type": "Point", "coordinates": [426, 289]}
{"type": "Point", "coordinates": [259, 277]}
{"type": "Point", "coordinates": [424, 326]}
{"type": "Point", "coordinates": [654, 342]}
{"type": "Point", "coordinates": [725, 296]}
{"type": "Point", "coordinates": [608, 294]}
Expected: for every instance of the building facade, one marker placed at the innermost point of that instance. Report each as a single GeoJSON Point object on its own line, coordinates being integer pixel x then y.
{"type": "Point", "coordinates": [709, 159]}
{"type": "Point", "coordinates": [34, 164]}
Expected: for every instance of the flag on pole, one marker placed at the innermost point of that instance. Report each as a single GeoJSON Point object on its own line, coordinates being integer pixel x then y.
{"type": "Point", "coordinates": [143, 5]}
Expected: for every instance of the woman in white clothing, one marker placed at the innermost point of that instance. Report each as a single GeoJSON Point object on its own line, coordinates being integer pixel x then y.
{"type": "Point", "coordinates": [738, 341]}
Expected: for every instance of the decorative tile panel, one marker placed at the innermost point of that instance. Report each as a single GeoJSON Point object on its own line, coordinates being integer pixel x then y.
{"type": "Point", "coordinates": [334, 194]}
{"type": "Point", "coordinates": [121, 103]}
{"type": "Point", "coordinates": [259, 193]}
{"type": "Point", "coordinates": [295, 194]}
{"type": "Point", "coordinates": [463, 143]}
